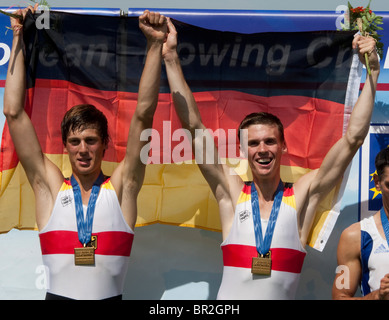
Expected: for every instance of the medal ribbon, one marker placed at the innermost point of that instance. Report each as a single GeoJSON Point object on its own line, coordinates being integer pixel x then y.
{"type": "Point", "coordinates": [385, 224]}
{"type": "Point", "coordinates": [85, 227]}
{"type": "Point", "coordinates": [263, 243]}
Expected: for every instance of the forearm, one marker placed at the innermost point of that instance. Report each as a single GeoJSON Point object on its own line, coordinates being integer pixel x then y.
{"type": "Point", "coordinates": [147, 100]}
{"type": "Point", "coordinates": [15, 86]}
{"type": "Point", "coordinates": [371, 296]}
{"type": "Point", "coordinates": [360, 117]}
{"type": "Point", "coordinates": [133, 169]}
{"type": "Point", "coordinates": [149, 83]}
{"type": "Point", "coordinates": [182, 95]}
{"type": "Point", "coordinates": [341, 154]}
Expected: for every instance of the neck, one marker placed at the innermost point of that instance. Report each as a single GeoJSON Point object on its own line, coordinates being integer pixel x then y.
{"type": "Point", "coordinates": [86, 181]}
{"type": "Point", "coordinates": [386, 209]}
{"type": "Point", "coordinates": [266, 188]}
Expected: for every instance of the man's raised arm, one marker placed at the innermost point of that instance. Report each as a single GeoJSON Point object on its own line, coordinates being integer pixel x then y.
{"type": "Point", "coordinates": [20, 126]}
{"type": "Point", "coordinates": [128, 177]}
{"type": "Point", "coordinates": [216, 174]}
{"type": "Point", "coordinates": [44, 177]}
{"type": "Point", "coordinates": [321, 181]}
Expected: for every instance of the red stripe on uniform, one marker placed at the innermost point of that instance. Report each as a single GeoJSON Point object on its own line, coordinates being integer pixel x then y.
{"type": "Point", "coordinates": [283, 259]}
{"type": "Point", "coordinates": [247, 189]}
{"type": "Point", "coordinates": [115, 243]}
{"type": "Point", "coordinates": [288, 192]}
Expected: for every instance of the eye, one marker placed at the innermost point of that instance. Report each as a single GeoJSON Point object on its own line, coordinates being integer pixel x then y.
{"type": "Point", "coordinates": [271, 141]}
{"type": "Point", "coordinates": [74, 142]}
{"type": "Point", "coordinates": [91, 141]}
{"type": "Point", "coordinates": [252, 143]}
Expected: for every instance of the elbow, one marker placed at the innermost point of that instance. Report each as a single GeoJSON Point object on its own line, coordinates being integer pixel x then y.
{"type": "Point", "coordinates": [10, 113]}
{"type": "Point", "coordinates": [192, 125]}
{"type": "Point", "coordinates": [145, 113]}
{"type": "Point", "coordinates": [355, 141]}
{"type": "Point", "coordinates": [187, 110]}
{"type": "Point", "coordinates": [13, 105]}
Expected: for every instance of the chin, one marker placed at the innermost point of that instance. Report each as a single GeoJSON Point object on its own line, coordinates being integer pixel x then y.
{"type": "Point", "coordinates": [264, 173]}
{"type": "Point", "coordinates": [84, 170]}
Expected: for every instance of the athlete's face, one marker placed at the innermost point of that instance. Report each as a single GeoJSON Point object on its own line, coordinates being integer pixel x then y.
{"type": "Point", "coordinates": [86, 150]}
{"type": "Point", "coordinates": [264, 149]}
{"type": "Point", "coordinates": [383, 185]}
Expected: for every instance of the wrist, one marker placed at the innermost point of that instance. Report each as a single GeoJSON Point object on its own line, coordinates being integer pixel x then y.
{"type": "Point", "coordinates": [17, 33]}
{"type": "Point", "coordinates": [171, 57]}
{"type": "Point", "coordinates": [17, 29]}
{"type": "Point", "coordinates": [374, 74]}
{"type": "Point", "coordinates": [152, 42]}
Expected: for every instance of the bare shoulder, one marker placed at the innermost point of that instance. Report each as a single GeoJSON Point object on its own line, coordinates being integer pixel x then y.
{"type": "Point", "coordinates": [352, 234]}
{"type": "Point", "coordinates": [350, 242]}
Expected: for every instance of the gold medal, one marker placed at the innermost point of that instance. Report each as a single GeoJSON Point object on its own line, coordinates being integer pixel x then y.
{"type": "Point", "coordinates": [85, 256]}
{"type": "Point", "coordinates": [261, 264]}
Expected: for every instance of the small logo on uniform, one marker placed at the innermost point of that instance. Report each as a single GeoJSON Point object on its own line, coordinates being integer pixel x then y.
{"type": "Point", "coordinates": [244, 215]}
{"type": "Point", "coordinates": [381, 249]}
{"type": "Point", "coordinates": [66, 200]}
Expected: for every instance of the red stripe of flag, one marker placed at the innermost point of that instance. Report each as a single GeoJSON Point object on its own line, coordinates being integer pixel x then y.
{"type": "Point", "coordinates": [380, 86]}
{"type": "Point", "coordinates": [220, 110]}
{"type": "Point", "coordinates": [283, 259]}
{"type": "Point", "coordinates": [114, 243]}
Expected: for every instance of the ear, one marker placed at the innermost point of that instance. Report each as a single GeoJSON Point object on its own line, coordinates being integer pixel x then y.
{"type": "Point", "coordinates": [243, 144]}
{"type": "Point", "coordinates": [377, 182]}
{"type": "Point", "coordinates": [105, 149]}
{"type": "Point", "coordinates": [284, 148]}
{"type": "Point", "coordinates": [243, 152]}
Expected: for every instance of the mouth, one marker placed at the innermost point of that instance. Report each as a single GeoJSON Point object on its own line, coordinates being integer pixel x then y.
{"type": "Point", "coordinates": [84, 162]}
{"type": "Point", "coordinates": [264, 161]}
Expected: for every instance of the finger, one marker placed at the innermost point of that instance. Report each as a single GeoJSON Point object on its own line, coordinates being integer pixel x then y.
{"type": "Point", "coordinates": [162, 19]}
{"type": "Point", "coordinates": [366, 40]}
{"type": "Point", "coordinates": [25, 11]}
{"type": "Point", "coordinates": [152, 17]}
{"type": "Point", "coordinates": [171, 27]}
{"type": "Point", "coordinates": [157, 18]}
{"type": "Point", "coordinates": [357, 38]}
{"type": "Point", "coordinates": [144, 15]}
{"type": "Point", "coordinates": [367, 49]}
{"type": "Point", "coordinates": [366, 45]}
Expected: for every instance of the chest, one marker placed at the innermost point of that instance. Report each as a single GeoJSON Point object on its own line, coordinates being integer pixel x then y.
{"type": "Point", "coordinates": [107, 212]}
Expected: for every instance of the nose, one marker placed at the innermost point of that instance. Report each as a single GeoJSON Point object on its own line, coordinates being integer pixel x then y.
{"type": "Point", "coordinates": [261, 148]}
{"type": "Point", "coordinates": [83, 147]}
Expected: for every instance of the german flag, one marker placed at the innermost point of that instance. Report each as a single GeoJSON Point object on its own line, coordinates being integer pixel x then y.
{"type": "Point", "coordinates": [301, 77]}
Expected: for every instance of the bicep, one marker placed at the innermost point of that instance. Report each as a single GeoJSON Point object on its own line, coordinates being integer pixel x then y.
{"type": "Point", "coordinates": [132, 167]}
{"type": "Point", "coordinates": [318, 183]}
{"type": "Point", "coordinates": [348, 272]}
{"type": "Point", "coordinates": [27, 146]}
{"type": "Point", "coordinates": [332, 169]}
